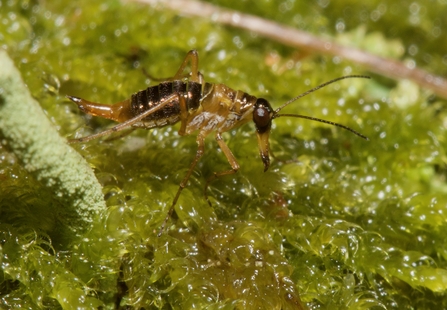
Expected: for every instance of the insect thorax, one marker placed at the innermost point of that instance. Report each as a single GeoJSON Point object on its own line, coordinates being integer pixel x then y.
{"type": "Point", "coordinates": [221, 109]}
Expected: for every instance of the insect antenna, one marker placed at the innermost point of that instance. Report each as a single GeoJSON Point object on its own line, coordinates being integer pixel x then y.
{"type": "Point", "coordinates": [276, 115]}
{"type": "Point", "coordinates": [322, 121]}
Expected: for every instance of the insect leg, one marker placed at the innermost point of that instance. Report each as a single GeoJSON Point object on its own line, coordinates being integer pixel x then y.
{"type": "Point", "coordinates": [231, 159]}
{"type": "Point", "coordinates": [153, 78]}
{"type": "Point", "coordinates": [199, 154]}
{"type": "Point", "coordinates": [183, 114]}
{"type": "Point", "coordinates": [192, 57]}
{"type": "Point", "coordinates": [121, 135]}
{"type": "Point", "coordinates": [127, 123]}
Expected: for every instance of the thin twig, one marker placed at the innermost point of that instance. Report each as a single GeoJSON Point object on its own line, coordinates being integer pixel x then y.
{"type": "Point", "coordinates": [304, 40]}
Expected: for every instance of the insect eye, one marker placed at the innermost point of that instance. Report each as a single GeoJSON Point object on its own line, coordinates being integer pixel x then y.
{"type": "Point", "coordinates": [262, 115]}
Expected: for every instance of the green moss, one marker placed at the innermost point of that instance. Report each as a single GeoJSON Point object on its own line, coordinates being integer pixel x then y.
{"type": "Point", "coordinates": [346, 224]}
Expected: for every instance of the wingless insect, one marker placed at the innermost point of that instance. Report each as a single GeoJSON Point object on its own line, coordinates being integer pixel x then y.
{"type": "Point", "coordinates": [199, 106]}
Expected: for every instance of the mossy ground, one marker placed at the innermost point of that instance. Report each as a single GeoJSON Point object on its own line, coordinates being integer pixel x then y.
{"type": "Point", "coordinates": [347, 224]}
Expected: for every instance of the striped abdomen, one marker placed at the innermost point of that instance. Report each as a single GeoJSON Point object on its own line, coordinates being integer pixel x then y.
{"type": "Point", "coordinates": [169, 114]}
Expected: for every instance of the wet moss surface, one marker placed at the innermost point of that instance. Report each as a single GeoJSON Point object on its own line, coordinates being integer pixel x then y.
{"type": "Point", "coordinates": [335, 223]}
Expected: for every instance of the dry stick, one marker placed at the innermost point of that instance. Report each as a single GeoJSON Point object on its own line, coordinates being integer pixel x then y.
{"type": "Point", "coordinates": [297, 38]}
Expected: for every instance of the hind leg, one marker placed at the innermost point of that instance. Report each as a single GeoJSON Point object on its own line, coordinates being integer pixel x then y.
{"type": "Point", "coordinates": [193, 58]}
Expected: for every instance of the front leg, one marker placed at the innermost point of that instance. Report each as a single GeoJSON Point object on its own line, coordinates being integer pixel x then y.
{"type": "Point", "coordinates": [231, 160]}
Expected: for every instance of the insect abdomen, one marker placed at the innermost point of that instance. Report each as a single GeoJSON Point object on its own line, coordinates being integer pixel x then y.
{"type": "Point", "coordinates": [154, 95]}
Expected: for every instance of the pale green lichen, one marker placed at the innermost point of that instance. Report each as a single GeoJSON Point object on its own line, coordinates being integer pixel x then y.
{"type": "Point", "coordinates": [27, 132]}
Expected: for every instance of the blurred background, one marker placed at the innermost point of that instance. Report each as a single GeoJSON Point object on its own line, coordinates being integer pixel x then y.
{"type": "Point", "coordinates": [336, 223]}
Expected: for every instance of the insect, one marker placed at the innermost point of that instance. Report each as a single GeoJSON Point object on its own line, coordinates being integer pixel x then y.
{"type": "Point", "coordinates": [198, 106]}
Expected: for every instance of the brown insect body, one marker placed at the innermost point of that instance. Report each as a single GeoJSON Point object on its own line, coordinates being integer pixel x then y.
{"type": "Point", "coordinates": [234, 108]}
{"type": "Point", "coordinates": [170, 114]}
{"type": "Point", "coordinates": [198, 106]}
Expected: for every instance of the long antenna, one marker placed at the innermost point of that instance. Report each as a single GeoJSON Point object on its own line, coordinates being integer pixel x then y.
{"type": "Point", "coordinates": [322, 121]}
{"type": "Point", "coordinates": [317, 88]}
{"type": "Point", "coordinates": [276, 115]}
